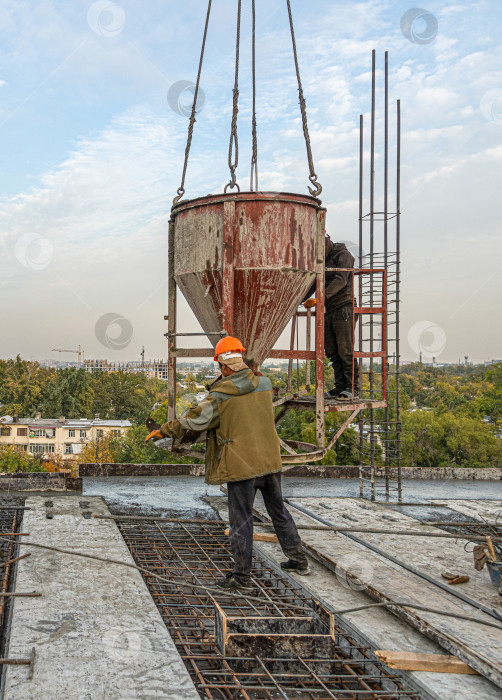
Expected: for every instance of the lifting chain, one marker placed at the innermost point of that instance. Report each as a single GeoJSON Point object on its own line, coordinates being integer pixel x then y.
{"type": "Point", "coordinates": [233, 148]}
{"type": "Point", "coordinates": [254, 152]}
{"type": "Point", "coordinates": [312, 177]}
{"type": "Point", "coordinates": [181, 188]}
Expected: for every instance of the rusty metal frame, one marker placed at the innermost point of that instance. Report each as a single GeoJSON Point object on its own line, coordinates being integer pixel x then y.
{"type": "Point", "coordinates": [296, 400]}
{"type": "Point", "coordinates": [318, 403]}
{"type": "Point", "coordinates": [300, 398]}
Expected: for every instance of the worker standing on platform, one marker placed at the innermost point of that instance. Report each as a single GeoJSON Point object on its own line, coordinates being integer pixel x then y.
{"type": "Point", "coordinates": [243, 451]}
{"type": "Point", "coordinates": [338, 319]}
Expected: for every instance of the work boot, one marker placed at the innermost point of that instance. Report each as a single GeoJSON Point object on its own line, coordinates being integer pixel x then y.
{"type": "Point", "coordinates": [347, 395]}
{"type": "Point", "coordinates": [296, 567]}
{"type": "Point", "coordinates": [230, 583]}
{"type": "Point", "coordinates": [332, 393]}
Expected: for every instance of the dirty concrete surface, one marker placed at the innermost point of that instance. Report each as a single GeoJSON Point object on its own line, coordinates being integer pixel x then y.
{"type": "Point", "coordinates": [96, 630]}
{"type": "Point", "coordinates": [183, 495]}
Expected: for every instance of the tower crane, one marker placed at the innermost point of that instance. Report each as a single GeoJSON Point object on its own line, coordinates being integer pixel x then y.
{"type": "Point", "coordinates": [79, 351]}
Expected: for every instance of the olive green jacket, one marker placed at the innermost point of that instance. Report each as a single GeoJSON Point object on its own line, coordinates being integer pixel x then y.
{"type": "Point", "coordinates": [238, 414]}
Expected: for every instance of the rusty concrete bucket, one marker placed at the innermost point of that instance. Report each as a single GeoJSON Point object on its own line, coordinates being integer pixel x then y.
{"type": "Point", "coordinates": [245, 261]}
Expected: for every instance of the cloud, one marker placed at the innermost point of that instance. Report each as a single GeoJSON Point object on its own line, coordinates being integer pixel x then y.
{"type": "Point", "coordinates": [104, 206]}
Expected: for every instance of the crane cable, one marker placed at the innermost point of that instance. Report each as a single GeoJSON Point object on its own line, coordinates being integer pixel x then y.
{"type": "Point", "coordinates": [181, 188]}
{"type": "Point", "coordinates": [233, 148]}
{"type": "Point", "coordinates": [312, 177]}
{"type": "Point", "coordinates": [254, 153]}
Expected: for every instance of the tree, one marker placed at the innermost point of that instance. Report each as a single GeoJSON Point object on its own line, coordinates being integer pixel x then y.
{"type": "Point", "coordinates": [131, 448]}
{"type": "Point", "coordinates": [121, 395]}
{"type": "Point", "coordinates": [491, 403]}
{"type": "Point", "coordinates": [98, 450]}
{"type": "Point", "coordinates": [70, 393]}
{"type": "Point", "coordinates": [431, 439]}
{"type": "Point", "coordinates": [22, 385]}
{"type": "Point", "coordinates": [13, 461]}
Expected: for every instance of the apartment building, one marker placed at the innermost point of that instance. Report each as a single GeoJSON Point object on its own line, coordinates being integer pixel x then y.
{"type": "Point", "coordinates": [152, 369]}
{"type": "Point", "coordinates": [57, 436]}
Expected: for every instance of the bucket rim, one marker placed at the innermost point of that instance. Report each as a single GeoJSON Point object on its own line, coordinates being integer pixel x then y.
{"type": "Point", "coordinates": [291, 197]}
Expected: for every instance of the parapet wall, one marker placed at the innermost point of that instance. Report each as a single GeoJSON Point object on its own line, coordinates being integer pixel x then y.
{"type": "Point", "coordinates": [314, 470]}
{"type": "Point", "coordinates": [39, 481]}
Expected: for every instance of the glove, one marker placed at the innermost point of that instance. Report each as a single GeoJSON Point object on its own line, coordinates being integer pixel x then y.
{"type": "Point", "coordinates": [164, 444]}
{"type": "Point", "coordinates": [310, 303]}
{"type": "Point", "coordinates": [481, 556]}
{"type": "Point", "coordinates": [155, 435]}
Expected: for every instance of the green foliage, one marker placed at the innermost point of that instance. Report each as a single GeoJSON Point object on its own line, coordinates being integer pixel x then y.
{"type": "Point", "coordinates": [22, 385]}
{"type": "Point", "coordinates": [26, 388]}
{"type": "Point", "coordinates": [491, 402]}
{"type": "Point", "coordinates": [438, 439]}
{"type": "Point", "coordinates": [131, 448]}
{"type": "Point", "coordinates": [120, 395]}
{"type": "Point", "coordinates": [70, 393]}
{"type": "Point", "coordinates": [447, 429]}
{"type": "Point", "coordinates": [13, 461]}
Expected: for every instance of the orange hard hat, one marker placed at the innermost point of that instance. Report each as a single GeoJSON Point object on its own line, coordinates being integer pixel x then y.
{"type": "Point", "coordinates": [228, 344]}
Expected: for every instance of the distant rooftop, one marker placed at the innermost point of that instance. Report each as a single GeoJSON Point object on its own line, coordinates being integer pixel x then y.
{"type": "Point", "coordinates": [68, 423]}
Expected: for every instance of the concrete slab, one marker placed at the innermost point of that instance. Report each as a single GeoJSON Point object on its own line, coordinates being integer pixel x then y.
{"type": "Point", "coordinates": [479, 509]}
{"type": "Point", "coordinates": [379, 628]}
{"type": "Point", "coordinates": [176, 496]}
{"type": "Point", "coordinates": [428, 555]}
{"type": "Point", "coordinates": [170, 495]}
{"type": "Point", "coordinates": [96, 630]}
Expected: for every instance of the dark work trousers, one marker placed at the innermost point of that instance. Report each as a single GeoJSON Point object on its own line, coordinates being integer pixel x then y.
{"type": "Point", "coordinates": [241, 495]}
{"type": "Point", "coordinates": [339, 347]}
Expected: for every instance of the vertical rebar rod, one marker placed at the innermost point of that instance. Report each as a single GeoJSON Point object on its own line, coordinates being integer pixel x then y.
{"type": "Point", "coordinates": [385, 264]}
{"type": "Point", "coordinates": [372, 224]}
{"type": "Point", "coordinates": [289, 385]}
{"type": "Point", "coordinates": [319, 330]}
{"type": "Point", "coordinates": [360, 330]}
{"type": "Point", "coordinates": [398, 300]}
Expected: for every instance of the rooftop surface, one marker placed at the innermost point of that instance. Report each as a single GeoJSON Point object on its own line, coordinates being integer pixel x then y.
{"type": "Point", "coordinates": [104, 629]}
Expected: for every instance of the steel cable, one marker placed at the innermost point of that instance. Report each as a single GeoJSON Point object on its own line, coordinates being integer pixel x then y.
{"type": "Point", "coordinates": [233, 148]}
{"type": "Point", "coordinates": [254, 154]}
{"type": "Point", "coordinates": [316, 191]}
{"type": "Point", "coordinates": [181, 189]}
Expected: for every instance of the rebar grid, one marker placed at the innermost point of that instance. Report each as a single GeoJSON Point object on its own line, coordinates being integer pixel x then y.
{"type": "Point", "coordinates": [193, 558]}
{"type": "Point", "coordinates": [10, 518]}
{"type": "Point", "coordinates": [473, 528]}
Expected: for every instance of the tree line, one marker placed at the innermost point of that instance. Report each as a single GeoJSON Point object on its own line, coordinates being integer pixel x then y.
{"type": "Point", "coordinates": [450, 416]}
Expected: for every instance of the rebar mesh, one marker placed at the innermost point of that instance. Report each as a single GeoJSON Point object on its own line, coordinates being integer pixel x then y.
{"type": "Point", "coordinates": [192, 558]}
{"type": "Point", "coordinates": [10, 519]}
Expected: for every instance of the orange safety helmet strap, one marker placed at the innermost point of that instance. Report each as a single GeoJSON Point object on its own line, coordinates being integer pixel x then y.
{"type": "Point", "coordinates": [228, 344]}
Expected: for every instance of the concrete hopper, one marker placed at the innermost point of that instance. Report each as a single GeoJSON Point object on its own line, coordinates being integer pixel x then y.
{"type": "Point", "coordinates": [245, 261]}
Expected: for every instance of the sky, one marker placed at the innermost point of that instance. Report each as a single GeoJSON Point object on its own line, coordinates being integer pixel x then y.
{"type": "Point", "coordinates": [93, 127]}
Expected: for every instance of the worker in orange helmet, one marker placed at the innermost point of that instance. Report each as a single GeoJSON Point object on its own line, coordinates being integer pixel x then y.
{"type": "Point", "coordinates": [243, 451]}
